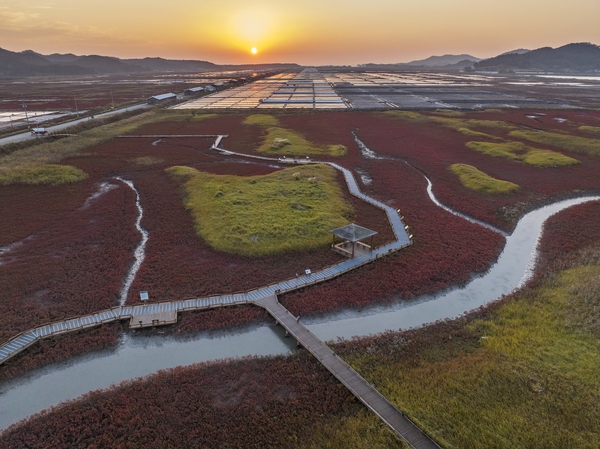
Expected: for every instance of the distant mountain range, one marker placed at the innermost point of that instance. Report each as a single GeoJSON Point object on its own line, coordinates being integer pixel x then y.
{"type": "Point", "coordinates": [580, 57]}
{"type": "Point", "coordinates": [441, 61]}
{"type": "Point", "coordinates": [574, 58]}
{"type": "Point", "coordinates": [30, 63]}
{"type": "Point", "coordinates": [518, 51]}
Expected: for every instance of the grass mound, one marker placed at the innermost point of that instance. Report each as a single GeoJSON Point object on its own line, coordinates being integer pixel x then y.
{"type": "Point", "coordinates": [562, 141]}
{"type": "Point", "coordinates": [519, 152]}
{"type": "Point", "coordinates": [590, 129]}
{"type": "Point", "coordinates": [287, 210]}
{"type": "Point", "coordinates": [451, 121]}
{"type": "Point", "coordinates": [475, 179]}
{"type": "Point", "coordinates": [148, 160]}
{"type": "Point", "coordinates": [261, 120]}
{"type": "Point", "coordinates": [48, 174]}
{"type": "Point", "coordinates": [284, 142]}
{"type": "Point", "coordinates": [479, 135]}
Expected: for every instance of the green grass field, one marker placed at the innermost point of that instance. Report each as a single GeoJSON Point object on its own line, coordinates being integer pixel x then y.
{"type": "Point", "coordinates": [148, 160]}
{"type": "Point", "coordinates": [452, 121]}
{"type": "Point", "coordinates": [280, 141]}
{"type": "Point", "coordinates": [561, 141]}
{"type": "Point", "coordinates": [37, 163]}
{"type": "Point", "coordinates": [47, 174]}
{"type": "Point", "coordinates": [525, 377]}
{"type": "Point", "coordinates": [475, 179]}
{"type": "Point", "coordinates": [361, 431]}
{"type": "Point", "coordinates": [479, 135]}
{"type": "Point", "coordinates": [287, 210]}
{"type": "Point", "coordinates": [519, 152]}
{"type": "Point", "coordinates": [590, 129]}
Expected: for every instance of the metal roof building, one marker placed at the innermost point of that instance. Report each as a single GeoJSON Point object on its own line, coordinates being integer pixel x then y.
{"type": "Point", "coordinates": [193, 90]}
{"type": "Point", "coordinates": [156, 99]}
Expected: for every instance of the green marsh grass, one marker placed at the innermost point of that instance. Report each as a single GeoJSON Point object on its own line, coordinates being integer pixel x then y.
{"type": "Point", "coordinates": [361, 431]}
{"type": "Point", "coordinates": [49, 152]}
{"type": "Point", "coordinates": [261, 120]}
{"type": "Point", "coordinates": [148, 160]}
{"type": "Point", "coordinates": [47, 174]}
{"type": "Point", "coordinates": [452, 121]}
{"type": "Point", "coordinates": [527, 376]}
{"type": "Point", "coordinates": [287, 210]}
{"type": "Point", "coordinates": [284, 142]}
{"type": "Point", "coordinates": [450, 112]}
{"type": "Point", "coordinates": [475, 179]}
{"type": "Point", "coordinates": [519, 152]}
{"type": "Point", "coordinates": [479, 135]}
{"type": "Point", "coordinates": [562, 141]}
{"type": "Point", "coordinates": [590, 129]}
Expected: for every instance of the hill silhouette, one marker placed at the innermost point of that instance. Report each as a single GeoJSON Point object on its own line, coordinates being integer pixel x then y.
{"type": "Point", "coordinates": [578, 57]}
{"type": "Point", "coordinates": [30, 63]}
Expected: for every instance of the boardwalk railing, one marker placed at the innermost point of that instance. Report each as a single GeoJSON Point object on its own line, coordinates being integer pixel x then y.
{"type": "Point", "coordinates": [25, 339]}
{"type": "Point", "coordinates": [266, 297]}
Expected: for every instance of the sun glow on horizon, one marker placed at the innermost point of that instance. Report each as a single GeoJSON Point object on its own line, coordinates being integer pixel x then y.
{"type": "Point", "coordinates": [313, 33]}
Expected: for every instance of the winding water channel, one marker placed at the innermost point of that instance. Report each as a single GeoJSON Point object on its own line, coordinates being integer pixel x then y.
{"type": "Point", "coordinates": [140, 251]}
{"type": "Point", "coordinates": [140, 356]}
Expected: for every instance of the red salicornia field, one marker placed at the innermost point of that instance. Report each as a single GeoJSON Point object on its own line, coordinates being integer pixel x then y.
{"type": "Point", "coordinates": [66, 253]}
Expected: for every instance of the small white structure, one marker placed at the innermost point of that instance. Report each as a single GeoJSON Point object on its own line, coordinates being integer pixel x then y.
{"type": "Point", "coordinates": [39, 131]}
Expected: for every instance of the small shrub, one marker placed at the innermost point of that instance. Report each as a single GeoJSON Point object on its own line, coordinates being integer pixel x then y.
{"type": "Point", "coordinates": [475, 179]}
{"type": "Point", "coordinates": [562, 141]}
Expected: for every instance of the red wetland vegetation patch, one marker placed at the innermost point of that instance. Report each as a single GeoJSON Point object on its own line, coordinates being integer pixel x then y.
{"type": "Point", "coordinates": [73, 259]}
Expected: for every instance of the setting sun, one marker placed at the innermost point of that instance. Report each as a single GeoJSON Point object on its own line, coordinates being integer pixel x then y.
{"type": "Point", "coordinates": [254, 50]}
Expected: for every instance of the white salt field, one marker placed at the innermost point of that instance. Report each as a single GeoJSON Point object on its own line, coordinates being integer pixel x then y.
{"type": "Point", "coordinates": [308, 89]}
{"type": "Point", "coordinates": [9, 118]}
{"type": "Point", "coordinates": [361, 89]}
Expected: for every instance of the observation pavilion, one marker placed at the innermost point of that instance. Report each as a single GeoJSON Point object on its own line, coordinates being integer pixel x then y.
{"type": "Point", "coordinates": [351, 236]}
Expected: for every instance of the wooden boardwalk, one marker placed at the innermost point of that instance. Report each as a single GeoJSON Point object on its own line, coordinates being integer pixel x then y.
{"type": "Point", "coordinates": [166, 312]}
{"type": "Point", "coordinates": [359, 387]}
{"type": "Point", "coordinates": [141, 313]}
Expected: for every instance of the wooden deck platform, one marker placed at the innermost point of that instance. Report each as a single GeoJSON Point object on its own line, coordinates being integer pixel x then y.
{"type": "Point", "coordinates": [363, 390]}
{"type": "Point", "coordinates": [153, 319]}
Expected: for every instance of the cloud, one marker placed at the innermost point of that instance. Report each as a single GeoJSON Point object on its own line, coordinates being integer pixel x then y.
{"type": "Point", "coordinates": [30, 29]}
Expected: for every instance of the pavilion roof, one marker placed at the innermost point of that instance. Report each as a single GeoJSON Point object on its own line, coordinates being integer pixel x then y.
{"type": "Point", "coordinates": [353, 232]}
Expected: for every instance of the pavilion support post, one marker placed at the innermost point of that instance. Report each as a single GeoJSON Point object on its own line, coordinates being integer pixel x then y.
{"type": "Point", "coordinates": [353, 246]}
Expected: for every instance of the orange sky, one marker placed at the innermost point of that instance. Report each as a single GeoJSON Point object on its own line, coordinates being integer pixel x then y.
{"type": "Point", "coordinates": [306, 32]}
